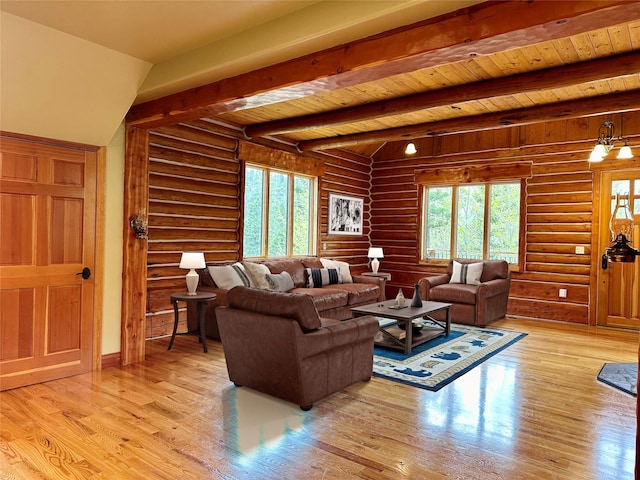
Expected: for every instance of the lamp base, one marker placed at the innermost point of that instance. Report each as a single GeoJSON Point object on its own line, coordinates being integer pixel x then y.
{"type": "Point", "coordinates": [192, 281]}
{"type": "Point", "coordinates": [375, 264]}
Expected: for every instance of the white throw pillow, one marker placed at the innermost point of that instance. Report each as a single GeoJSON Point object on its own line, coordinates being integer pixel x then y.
{"type": "Point", "coordinates": [468, 273]}
{"type": "Point", "coordinates": [280, 282]}
{"type": "Point", "coordinates": [258, 273]}
{"type": "Point", "coordinates": [319, 277]}
{"type": "Point", "coordinates": [229, 276]}
{"type": "Point", "coordinates": [345, 274]}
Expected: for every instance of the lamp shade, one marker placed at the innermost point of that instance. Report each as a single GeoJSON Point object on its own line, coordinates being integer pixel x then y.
{"type": "Point", "coordinates": [375, 252]}
{"type": "Point", "coordinates": [410, 149]}
{"type": "Point", "coordinates": [625, 152]}
{"type": "Point", "coordinates": [192, 260]}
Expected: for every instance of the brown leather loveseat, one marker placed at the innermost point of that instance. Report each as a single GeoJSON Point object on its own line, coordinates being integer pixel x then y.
{"type": "Point", "coordinates": [276, 343]}
{"type": "Point", "coordinates": [473, 304]}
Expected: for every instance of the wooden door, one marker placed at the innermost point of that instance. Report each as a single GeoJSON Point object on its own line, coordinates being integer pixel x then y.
{"type": "Point", "coordinates": [619, 283]}
{"type": "Point", "coordinates": [47, 236]}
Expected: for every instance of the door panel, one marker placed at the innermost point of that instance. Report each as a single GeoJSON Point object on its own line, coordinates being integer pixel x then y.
{"type": "Point", "coordinates": [47, 233]}
{"type": "Point", "coordinates": [619, 283]}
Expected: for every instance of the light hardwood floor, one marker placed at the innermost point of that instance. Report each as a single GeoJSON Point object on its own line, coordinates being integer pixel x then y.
{"type": "Point", "coordinates": [533, 411]}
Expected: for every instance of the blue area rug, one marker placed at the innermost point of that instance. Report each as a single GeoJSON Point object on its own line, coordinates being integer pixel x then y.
{"type": "Point", "coordinates": [440, 361]}
{"type": "Point", "coordinates": [623, 376]}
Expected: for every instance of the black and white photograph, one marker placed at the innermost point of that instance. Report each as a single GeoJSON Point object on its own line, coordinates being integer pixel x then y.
{"type": "Point", "coordinates": [345, 215]}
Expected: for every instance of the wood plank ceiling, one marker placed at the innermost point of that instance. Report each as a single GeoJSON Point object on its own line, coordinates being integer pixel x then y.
{"type": "Point", "coordinates": [488, 66]}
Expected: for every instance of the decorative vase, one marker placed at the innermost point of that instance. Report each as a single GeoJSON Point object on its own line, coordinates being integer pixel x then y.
{"type": "Point", "coordinates": [416, 301]}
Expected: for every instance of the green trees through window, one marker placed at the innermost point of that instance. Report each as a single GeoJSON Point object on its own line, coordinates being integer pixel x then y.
{"type": "Point", "coordinates": [472, 221]}
{"type": "Point", "coordinates": [279, 213]}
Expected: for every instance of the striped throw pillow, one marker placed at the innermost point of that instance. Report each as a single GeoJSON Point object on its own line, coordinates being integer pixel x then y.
{"type": "Point", "coordinates": [318, 277]}
{"type": "Point", "coordinates": [468, 273]}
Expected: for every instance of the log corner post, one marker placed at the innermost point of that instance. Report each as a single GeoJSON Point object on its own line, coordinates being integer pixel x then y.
{"type": "Point", "coordinates": [134, 268]}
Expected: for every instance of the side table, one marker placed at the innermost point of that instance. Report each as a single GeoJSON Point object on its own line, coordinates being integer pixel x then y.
{"type": "Point", "coordinates": [386, 276]}
{"type": "Point", "coordinates": [202, 299]}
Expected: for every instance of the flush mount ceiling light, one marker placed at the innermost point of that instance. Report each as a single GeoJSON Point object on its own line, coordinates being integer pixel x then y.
{"type": "Point", "coordinates": [606, 142]}
{"type": "Point", "coordinates": [410, 149]}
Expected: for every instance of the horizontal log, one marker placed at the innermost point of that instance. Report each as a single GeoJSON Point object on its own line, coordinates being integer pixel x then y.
{"type": "Point", "coordinates": [563, 238]}
{"type": "Point", "coordinates": [161, 207]}
{"type": "Point", "coordinates": [187, 133]}
{"type": "Point", "coordinates": [563, 312]}
{"type": "Point", "coordinates": [560, 208]}
{"type": "Point", "coordinates": [155, 272]}
{"type": "Point", "coordinates": [560, 177]}
{"type": "Point", "coordinates": [558, 227]}
{"type": "Point", "coordinates": [558, 259]}
{"type": "Point", "coordinates": [182, 171]}
{"type": "Point", "coordinates": [558, 278]}
{"type": "Point", "coordinates": [205, 157]}
{"type": "Point", "coordinates": [194, 184]}
{"type": "Point", "coordinates": [161, 324]}
{"type": "Point", "coordinates": [193, 223]}
{"type": "Point", "coordinates": [565, 269]}
{"type": "Point", "coordinates": [227, 245]}
{"type": "Point", "coordinates": [556, 248]}
{"type": "Point", "coordinates": [560, 198]}
{"type": "Point", "coordinates": [390, 205]}
{"type": "Point", "coordinates": [559, 216]}
{"type": "Point", "coordinates": [542, 188]}
{"type": "Point", "coordinates": [204, 199]}
{"type": "Point", "coordinates": [164, 234]}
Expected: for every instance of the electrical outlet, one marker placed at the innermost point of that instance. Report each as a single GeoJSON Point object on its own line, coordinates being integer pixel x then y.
{"type": "Point", "coordinates": [579, 250]}
{"type": "Point", "coordinates": [562, 293]}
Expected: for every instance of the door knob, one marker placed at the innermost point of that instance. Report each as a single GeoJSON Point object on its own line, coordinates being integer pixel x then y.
{"type": "Point", "coordinates": [86, 273]}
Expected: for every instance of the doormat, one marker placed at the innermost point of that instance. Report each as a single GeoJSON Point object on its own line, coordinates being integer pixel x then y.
{"type": "Point", "coordinates": [623, 376]}
{"type": "Point", "coordinates": [440, 361]}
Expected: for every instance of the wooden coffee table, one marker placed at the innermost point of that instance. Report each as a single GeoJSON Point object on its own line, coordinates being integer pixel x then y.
{"type": "Point", "coordinates": [405, 340]}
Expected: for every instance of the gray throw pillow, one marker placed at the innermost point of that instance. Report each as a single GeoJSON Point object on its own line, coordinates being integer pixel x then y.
{"type": "Point", "coordinates": [280, 282]}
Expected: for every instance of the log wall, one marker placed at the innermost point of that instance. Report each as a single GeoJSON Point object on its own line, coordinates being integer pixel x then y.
{"type": "Point", "coordinates": [559, 205]}
{"type": "Point", "coordinates": [195, 204]}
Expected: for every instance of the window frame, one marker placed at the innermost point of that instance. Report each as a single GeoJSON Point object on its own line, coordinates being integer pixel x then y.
{"type": "Point", "coordinates": [266, 195]}
{"type": "Point", "coordinates": [423, 212]}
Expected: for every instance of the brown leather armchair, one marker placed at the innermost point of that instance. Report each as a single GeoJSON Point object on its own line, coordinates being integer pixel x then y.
{"type": "Point", "coordinates": [472, 304]}
{"type": "Point", "coordinates": [276, 343]}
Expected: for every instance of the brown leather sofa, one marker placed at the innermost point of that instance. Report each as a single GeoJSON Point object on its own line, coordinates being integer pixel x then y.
{"type": "Point", "coordinates": [276, 343]}
{"type": "Point", "coordinates": [331, 301]}
{"type": "Point", "coordinates": [472, 304]}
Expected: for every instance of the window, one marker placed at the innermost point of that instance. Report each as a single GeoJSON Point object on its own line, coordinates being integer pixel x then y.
{"type": "Point", "coordinates": [471, 221]}
{"type": "Point", "coordinates": [279, 213]}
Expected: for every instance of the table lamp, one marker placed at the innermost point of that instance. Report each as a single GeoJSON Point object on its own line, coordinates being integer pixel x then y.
{"type": "Point", "coordinates": [375, 253]}
{"type": "Point", "coordinates": [192, 260]}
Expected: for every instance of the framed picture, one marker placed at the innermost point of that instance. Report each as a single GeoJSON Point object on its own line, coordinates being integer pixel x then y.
{"type": "Point", "coordinates": [345, 215]}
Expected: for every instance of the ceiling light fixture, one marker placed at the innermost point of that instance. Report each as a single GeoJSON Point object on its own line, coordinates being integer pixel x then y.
{"type": "Point", "coordinates": [605, 143]}
{"type": "Point", "coordinates": [410, 149]}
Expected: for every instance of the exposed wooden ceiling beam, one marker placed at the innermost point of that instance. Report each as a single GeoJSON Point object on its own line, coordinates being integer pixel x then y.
{"type": "Point", "coordinates": [480, 30]}
{"type": "Point", "coordinates": [558, 77]}
{"type": "Point", "coordinates": [605, 104]}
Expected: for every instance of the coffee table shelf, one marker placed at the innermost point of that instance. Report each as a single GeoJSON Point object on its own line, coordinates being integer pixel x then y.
{"type": "Point", "coordinates": [405, 340]}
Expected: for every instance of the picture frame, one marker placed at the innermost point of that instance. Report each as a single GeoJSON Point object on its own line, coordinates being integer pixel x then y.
{"type": "Point", "coordinates": [345, 214]}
